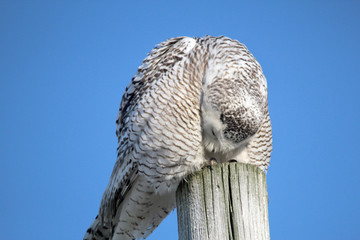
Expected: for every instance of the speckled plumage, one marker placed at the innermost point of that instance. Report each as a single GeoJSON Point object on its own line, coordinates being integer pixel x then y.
{"type": "Point", "coordinates": [193, 99]}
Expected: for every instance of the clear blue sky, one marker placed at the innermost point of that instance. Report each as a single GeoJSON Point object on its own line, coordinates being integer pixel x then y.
{"type": "Point", "coordinates": [63, 70]}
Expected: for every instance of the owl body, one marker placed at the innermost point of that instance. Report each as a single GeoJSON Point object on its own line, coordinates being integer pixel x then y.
{"type": "Point", "coordinates": [192, 100]}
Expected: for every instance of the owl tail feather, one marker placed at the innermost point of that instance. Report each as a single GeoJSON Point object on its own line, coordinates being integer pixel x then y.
{"type": "Point", "coordinates": [97, 231]}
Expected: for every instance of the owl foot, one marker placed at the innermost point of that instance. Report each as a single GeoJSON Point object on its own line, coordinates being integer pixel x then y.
{"type": "Point", "coordinates": [211, 162]}
{"type": "Point", "coordinates": [232, 160]}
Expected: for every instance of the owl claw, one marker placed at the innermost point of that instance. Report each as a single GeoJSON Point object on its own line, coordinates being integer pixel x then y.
{"type": "Point", "coordinates": [211, 162]}
{"type": "Point", "coordinates": [232, 160]}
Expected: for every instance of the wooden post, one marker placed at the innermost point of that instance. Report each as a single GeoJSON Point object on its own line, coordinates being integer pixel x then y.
{"type": "Point", "coordinates": [226, 201]}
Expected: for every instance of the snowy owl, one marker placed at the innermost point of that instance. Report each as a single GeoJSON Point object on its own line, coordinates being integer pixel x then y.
{"type": "Point", "coordinates": [191, 101]}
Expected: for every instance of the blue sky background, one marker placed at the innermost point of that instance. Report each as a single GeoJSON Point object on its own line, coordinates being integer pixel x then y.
{"type": "Point", "coordinates": [63, 69]}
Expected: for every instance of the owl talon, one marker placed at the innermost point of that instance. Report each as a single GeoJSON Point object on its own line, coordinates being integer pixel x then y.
{"type": "Point", "coordinates": [232, 160]}
{"type": "Point", "coordinates": [211, 162]}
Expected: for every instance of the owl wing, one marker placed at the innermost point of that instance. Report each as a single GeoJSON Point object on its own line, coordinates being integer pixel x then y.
{"type": "Point", "coordinates": [260, 146]}
{"type": "Point", "coordinates": [158, 125]}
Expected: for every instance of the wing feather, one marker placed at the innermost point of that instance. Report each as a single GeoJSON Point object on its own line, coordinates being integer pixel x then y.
{"type": "Point", "coordinates": [144, 141]}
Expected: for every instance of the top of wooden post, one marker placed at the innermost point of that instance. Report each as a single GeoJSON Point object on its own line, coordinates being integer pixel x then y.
{"type": "Point", "coordinates": [223, 201]}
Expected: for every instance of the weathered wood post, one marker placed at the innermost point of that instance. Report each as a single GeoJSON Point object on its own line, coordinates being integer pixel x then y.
{"type": "Point", "coordinates": [223, 202]}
